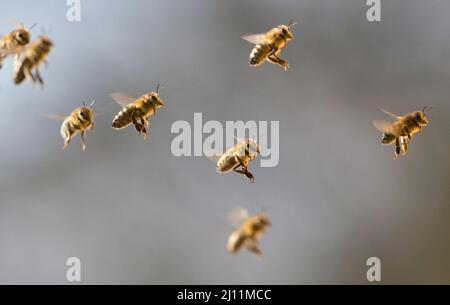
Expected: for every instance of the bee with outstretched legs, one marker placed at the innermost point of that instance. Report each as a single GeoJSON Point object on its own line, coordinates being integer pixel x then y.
{"type": "Point", "coordinates": [14, 42]}
{"type": "Point", "coordinates": [269, 45]}
{"type": "Point", "coordinates": [401, 131]}
{"type": "Point", "coordinates": [79, 121]}
{"type": "Point", "coordinates": [249, 231]}
{"type": "Point", "coordinates": [136, 111]}
{"type": "Point", "coordinates": [30, 60]}
{"type": "Point", "coordinates": [237, 158]}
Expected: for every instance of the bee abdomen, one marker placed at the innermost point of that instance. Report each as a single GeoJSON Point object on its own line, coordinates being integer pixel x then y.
{"type": "Point", "coordinates": [122, 119]}
{"type": "Point", "coordinates": [259, 54]}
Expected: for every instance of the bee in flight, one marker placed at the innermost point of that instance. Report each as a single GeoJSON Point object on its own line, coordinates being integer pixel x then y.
{"type": "Point", "coordinates": [248, 232]}
{"type": "Point", "coordinates": [136, 110]}
{"type": "Point", "coordinates": [237, 158]}
{"type": "Point", "coordinates": [269, 45]}
{"type": "Point", "coordinates": [14, 42]}
{"type": "Point", "coordinates": [80, 120]}
{"type": "Point", "coordinates": [402, 130]}
{"type": "Point", "coordinates": [30, 59]}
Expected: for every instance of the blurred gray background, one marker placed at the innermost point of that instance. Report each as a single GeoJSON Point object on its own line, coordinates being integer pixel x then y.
{"type": "Point", "coordinates": [134, 214]}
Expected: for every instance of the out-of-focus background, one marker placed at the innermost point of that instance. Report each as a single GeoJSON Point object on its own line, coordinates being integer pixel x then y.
{"type": "Point", "coordinates": [134, 214]}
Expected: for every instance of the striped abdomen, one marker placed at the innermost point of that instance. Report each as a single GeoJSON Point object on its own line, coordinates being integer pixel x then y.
{"type": "Point", "coordinates": [123, 118]}
{"type": "Point", "coordinates": [69, 128]}
{"type": "Point", "coordinates": [260, 53]}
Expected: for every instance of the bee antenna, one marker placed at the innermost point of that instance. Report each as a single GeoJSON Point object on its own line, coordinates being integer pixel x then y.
{"type": "Point", "coordinates": [427, 109]}
{"type": "Point", "coordinates": [84, 104]}
{"type": "Point", "coordinates": [92, 104]}
{"type": "Point", "coordinates": [32, 26]}
{"type": "Point", "coordinates": [157, 88]}
{"type": "Point", "coordinates": [291, 23]}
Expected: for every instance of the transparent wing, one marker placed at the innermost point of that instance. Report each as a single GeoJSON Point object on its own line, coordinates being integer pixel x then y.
{"type": "Point", "coordinates": [382, 125]}
{"type": "Point", "coordinates": [237, 216]}
{"type": "Point", "coordinates": [213, 157]}
{"type": "Point", "coordinates": [255, 38]}
{"type": "Point", "coordinates": [54, 116]}
{"type": "Point", "coordinates": [391, 114]}
{"type": "Point", "coordinates": [122, 99]}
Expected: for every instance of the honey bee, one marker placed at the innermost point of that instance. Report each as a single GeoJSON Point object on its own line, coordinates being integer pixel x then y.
{"type": "Point", "coordinates": [269, 45]}
{"type": "Point", "coordinates": [30, 59]}
{"type": "Point", "coordinates": [14, 42]}
{"type": "Point", "coordinates": [402, 130]}
{"type": "Point", "coordinates": [237, 158]}
{"type": "Point", "coordinates": [136, 111]}
{"type": "Point", "coordinates": [80, 120]}
{"type": "Point", "coordinates": [248, 233]}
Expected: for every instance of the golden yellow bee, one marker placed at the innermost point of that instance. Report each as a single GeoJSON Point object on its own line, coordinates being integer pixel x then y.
{"type": "Point", "coordinates": [402, 130]}
{"type": "Point", "coordinates": [248, 233]}
{"type": "Point", "coordinates": [14, 42]}
{"type": "Point", "coordinates": [237, 158]}
{"type": "Point", "coordinates": [136, 110]}
{"type": "Point", "coordinates": [80, 120]}
{"type": "Point", "coordinates": [269, 45]}
{"type": "Point", "coordinates": [30, 59]}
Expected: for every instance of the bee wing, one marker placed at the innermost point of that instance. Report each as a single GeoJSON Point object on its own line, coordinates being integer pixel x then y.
{"type": "Point", "coordinates": [237, 216]}
{"type": "Point", "coordinates": [255, 38]}
{"type": "Point", "coordinates": [122, 99]}
{"type": "Point", "coordinates": [54, 116]}
{"type": "Point", "coordinates": [383, 126]}
{"type": "Point", "coordinates": [391, 114]}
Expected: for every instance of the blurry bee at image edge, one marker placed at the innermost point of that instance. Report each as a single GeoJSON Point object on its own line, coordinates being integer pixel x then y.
{"type": "Point", "coordinates": [30, 59]}
{"type": "Point", "coordinates": [402, 130]}
{"type": "Point", "coordinates": [248, 233]}
{"type": "Point", "coordinates": [269, 45]}
{"type": "Point", "coordinates": [14, 42]}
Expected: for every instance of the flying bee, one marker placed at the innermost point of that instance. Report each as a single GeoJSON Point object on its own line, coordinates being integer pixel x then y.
{"type": "Point", "coordinates": [237, 158]}
{"type": "Point", "coordinates": [269, 45]}
{"type": "Point", "coordinates": [402, 130]}
{"type": "Point", "coordinates": [30, 59]}
{"type": "Point", "coordinates": [248, 233]}
{"type": "Point", "coordinates": [80, 120]}
{"type": "Point", "coordinates": [14, 42]}
{"type": "Point", "coordinates": [136, 110]}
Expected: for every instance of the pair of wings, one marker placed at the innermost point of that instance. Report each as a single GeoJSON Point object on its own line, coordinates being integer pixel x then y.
{"type": "Point", "coordinates": [383, 125]}
{"type": "Point", "coordinates": [122, 99]}
{"type": "Point", "coordinates": [255, 38]}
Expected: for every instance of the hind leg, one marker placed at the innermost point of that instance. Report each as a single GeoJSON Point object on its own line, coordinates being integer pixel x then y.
{"type": "Point", "coordinates": [140, 127]}
{"type": "Point", "coordinates": [398, 148]}
{"type": "Point", "coordinates": [83, 140]}
{"type": "Point", "coordinates": [275, 59]}
{"type": "Point", "coordinates": [66, 142]}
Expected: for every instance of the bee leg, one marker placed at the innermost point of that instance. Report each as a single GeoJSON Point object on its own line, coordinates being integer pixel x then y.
{"type": "Point", "coordinates": [83, 140]}
{"type": "Point", "coordinates": [39, 78]}
{"type": "Point", "coordinates": [408, 133]}
{"type": "Point", "coordinates": [404, 146]}
{"type": "Point", "coordinates": [138, 125]}
{"type": "Point", "coordinates": [398, 148]}
{"type": "Point", "coordinates": [253, 247]}
{"type": "Point", "coordinates": [244, 172]}
{"type": "Point", "coordinates": [92, 126]}
{"type": "Point", "coordinates": [66, 142]}
{"type": "Point", "coordinates": [275, 59]}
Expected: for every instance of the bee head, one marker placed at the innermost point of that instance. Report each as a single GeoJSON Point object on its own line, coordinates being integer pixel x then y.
{"type": "Point", "coordinates": [45, 40]}
{"type": "Point", "coordinates": [22, 36]}
{"type": "Point", "coordinates": [252, 148]}
{"type": "Point", "coordinates": [262, 219]}
{"type": "Point", "coordinates": [86, 112]}
{"type": "Point", "coordinates": [155, 97]}
{"type": "Point", "coordinates": [286, 30]}
{"type": "Point", "coordinates": [421, 116]}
